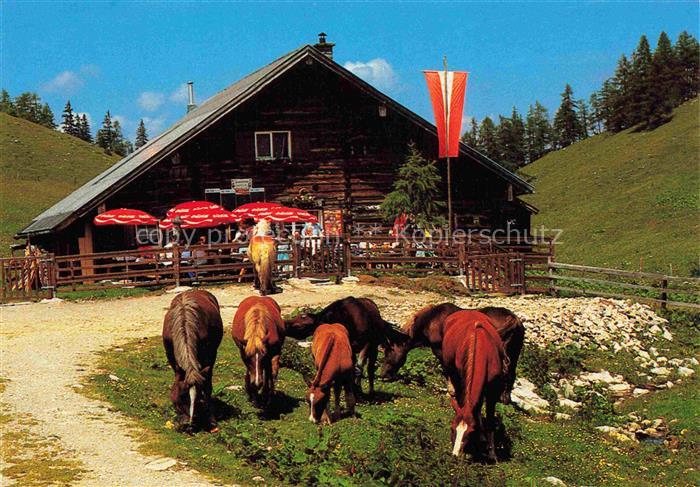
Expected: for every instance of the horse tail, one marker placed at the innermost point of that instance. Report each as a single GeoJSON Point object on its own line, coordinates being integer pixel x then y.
{"type": "Point", "coordinates": [184, 336]}
{"type": "Point", "coordinates": [263, 252]}
{"type": "Point", "coordinates": [324, 360]}
{"type": "Point", "coordinates": [256, 321]}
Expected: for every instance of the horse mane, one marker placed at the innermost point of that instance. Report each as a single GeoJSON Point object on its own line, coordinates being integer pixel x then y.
{"type": "Point", "coordinates": [407, 327]}
{"type": "Point", "coordinates": [257, 321]}
{"type": "Point", "coordinates": [470, 358]}
{"type": "Point", "coordinates": [183, 331]}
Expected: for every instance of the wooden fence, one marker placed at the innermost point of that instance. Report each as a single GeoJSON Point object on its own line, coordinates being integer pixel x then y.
{"type": "Point", "coordinates": [485, 266]}
{"type": "Point", "coordinates": [32, 277]}
{"type": "Point", "coordinates": [645, 287]}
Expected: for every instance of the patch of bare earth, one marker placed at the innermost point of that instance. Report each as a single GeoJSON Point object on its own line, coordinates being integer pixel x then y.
{"type": "Point", "coordinates": [48, 349]}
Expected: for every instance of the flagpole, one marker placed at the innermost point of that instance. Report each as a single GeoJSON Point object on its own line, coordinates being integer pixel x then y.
{"type": "Point", "coordinates": [447, 143]}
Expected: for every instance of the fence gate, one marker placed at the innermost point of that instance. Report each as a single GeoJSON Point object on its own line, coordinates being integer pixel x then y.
{"type": "Point", "coordinates": [319, 257]}
{"type": "Point", "coordinates": [500, 272]}
{"type": "Point", "coordinates": [32, 277]}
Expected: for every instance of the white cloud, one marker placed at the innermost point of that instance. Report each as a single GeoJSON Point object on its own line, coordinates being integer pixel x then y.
{"type": "Point", "coordinates": [151, 100]}
{"type": "Point", "coordinates": [180, 94]}
{"type": "Point", "coordinates": [154, 126]}
{"type": "Point", "coordinates": [65, 82]}
{"type": "Point", "coordinates": [123, 121]}
{"type": "Point", "coordinates": [377, 72]}
{"type": "Point", "coordinates": [90, 70]}
{"type": "Point", "coordinates": [68, 82]}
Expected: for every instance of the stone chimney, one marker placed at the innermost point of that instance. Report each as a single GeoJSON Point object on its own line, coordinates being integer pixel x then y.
{"type": "Point", "coordinates": [325, 47]}
{"type": "Point", "coordinates": [190, 97]}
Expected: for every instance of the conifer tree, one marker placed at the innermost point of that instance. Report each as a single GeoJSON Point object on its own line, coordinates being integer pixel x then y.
{"type": "Point", "coordinates": [566, 123]}
{"type": "Point", "coordinates": [584, 118]}
{"type": "Point", "coordinates": [538, 132]}
{"type": "Point", "coordinates": [84, 129]}
{"type": "Point", "coordinates": [105, 136]}
{"type": "Point", "coordinates": [27, 106]}
{"type": "Point", "coordinates": [119, 144]}
{"type": "Point", "coordinates": [69, 124]}
{"type": "Point", "coordinates": [46, 117]}
{"type": "Point", "coordinates": [617, 97]}
{"type": "Point", "coordinates": [665, 80]}
{"type": "Point", "coordinates": [142, 135]}
{"type": "Point", "coordinates": [471, 136]}
{"type": "Point", "coordinates": [416, 192]}
{"type": "Point", "coordinates": [6, 105]}
{"type": "Point", "coordinates": [511, 141]}
{"type": "Point", "coordinates": [687, 53]}
{"type": "Point", "coordinates": [488, 143]}
{"type": "Point", "coordinates": [641, 86]}
{"type": "Point", "coordinates": [595, 123]}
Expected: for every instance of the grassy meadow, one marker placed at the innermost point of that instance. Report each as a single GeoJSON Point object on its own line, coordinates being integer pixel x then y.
{"type": "Point", "coordinates": [38, 167]}
{"type": "Point", "coordinates": [403, 436]}
{"type": "Point", "coordinates": [626, 200]}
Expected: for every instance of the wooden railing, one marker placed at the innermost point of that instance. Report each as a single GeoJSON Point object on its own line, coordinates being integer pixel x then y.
{"type": "Point", "coordinates": [644, 287]}
{"type": "Point", "coordinates": [399, 255]}
{"type": "Point", "coordinates": [27, 278]}
{"type": "Point", "coordinates": [486, 266]}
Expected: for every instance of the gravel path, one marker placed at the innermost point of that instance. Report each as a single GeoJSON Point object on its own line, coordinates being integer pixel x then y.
{"type": "Point", "coordinates": [49, 348]}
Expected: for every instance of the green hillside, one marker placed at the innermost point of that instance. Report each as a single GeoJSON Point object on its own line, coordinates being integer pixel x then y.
{"type": "Point", "coordinates": [38, 167]}
{"type": "Point", "coordinates": [625, 197]}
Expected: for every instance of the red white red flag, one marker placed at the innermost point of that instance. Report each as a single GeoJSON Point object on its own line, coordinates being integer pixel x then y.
{"type": "Point", "coordinates": [447, 89]}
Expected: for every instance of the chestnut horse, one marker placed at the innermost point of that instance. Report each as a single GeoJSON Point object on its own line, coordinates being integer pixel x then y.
{"type": "Point", "coordinates": [425, 328]}
{"type": "Point", "coordinates": [334, 368]}
{"type": "Point", "coordinates": [192, 332]}
{"type": "Point", "coordinates": [366, 329]}
{"type": "Point", "coordinates": [473, 354]}
{"type": "Point", "coordinates": [262, 252]}
{"type": "Point", "coordinates": [258, 331]}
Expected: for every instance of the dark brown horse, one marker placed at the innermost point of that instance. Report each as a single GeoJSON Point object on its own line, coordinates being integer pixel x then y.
{"type": "Point", "coordinates": [334, 368]}
{"type": "Point", "coordinates": [473, 355]}
{"type": "Point", "coordinates": [258, 330]}
{"type": "Point", "coordinates": [366, 329]}
{"type": "Point", "coordinates": [426, 328]}
{"type": "Point", "coordinates": [192, 332]}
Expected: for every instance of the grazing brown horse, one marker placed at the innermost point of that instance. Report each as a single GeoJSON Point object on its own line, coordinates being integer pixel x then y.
{"type": "Point", "coordinates": [262, 252]}
{"type": "Point", "coordinates": [258, 330]}
{"type": "Point", "coordinates": [334, 368]}
{"type": "Point", "coordinates": [473, 355]}
{"type": "Point", "coordinates": [426, 328]}
{"type": "Point", "coordinates": [192, 332]}
{"type": "Point", "coordinates": [366, 329]}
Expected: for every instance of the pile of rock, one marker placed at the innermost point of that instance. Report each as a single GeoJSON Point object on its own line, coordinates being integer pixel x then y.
{"type": "Point", "coordinates": [642, 430]}
{"type": "Point", "coordinates": [608, 323]}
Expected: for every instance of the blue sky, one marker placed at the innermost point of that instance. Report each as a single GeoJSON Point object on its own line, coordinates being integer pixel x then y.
{"type": "Point", "coordinates": [133, 57]}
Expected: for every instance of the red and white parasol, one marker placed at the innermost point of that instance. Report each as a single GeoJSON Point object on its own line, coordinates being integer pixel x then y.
{"type": "Point", "coordinates": [252, 210]}
{"type": "Point", "coordinates": [198, 214]}
{"type": "Point", "coordinates": [125, 216]}
{"type": "Point", "coordinates": [284, 214]}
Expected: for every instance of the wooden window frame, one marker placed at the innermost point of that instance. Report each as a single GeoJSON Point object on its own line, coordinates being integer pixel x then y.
{"type": "Point", "coordinates": [270, 134]}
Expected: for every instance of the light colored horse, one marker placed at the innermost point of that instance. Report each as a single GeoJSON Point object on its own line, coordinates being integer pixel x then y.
{"type": "Point", "coordinates": [262, 252]}
{"type": "Point", "coordinates": [258, 330]}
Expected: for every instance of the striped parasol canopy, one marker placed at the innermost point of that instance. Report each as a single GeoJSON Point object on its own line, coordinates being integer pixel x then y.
{"type": "Point", "coordinates": [284, 214]}
{"type": "Point", "coordinates": [198, 214]}
{"type": "Point", "coordinates": [252, 210]}
{"type": "Point", "coordinates": [125, 216]}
